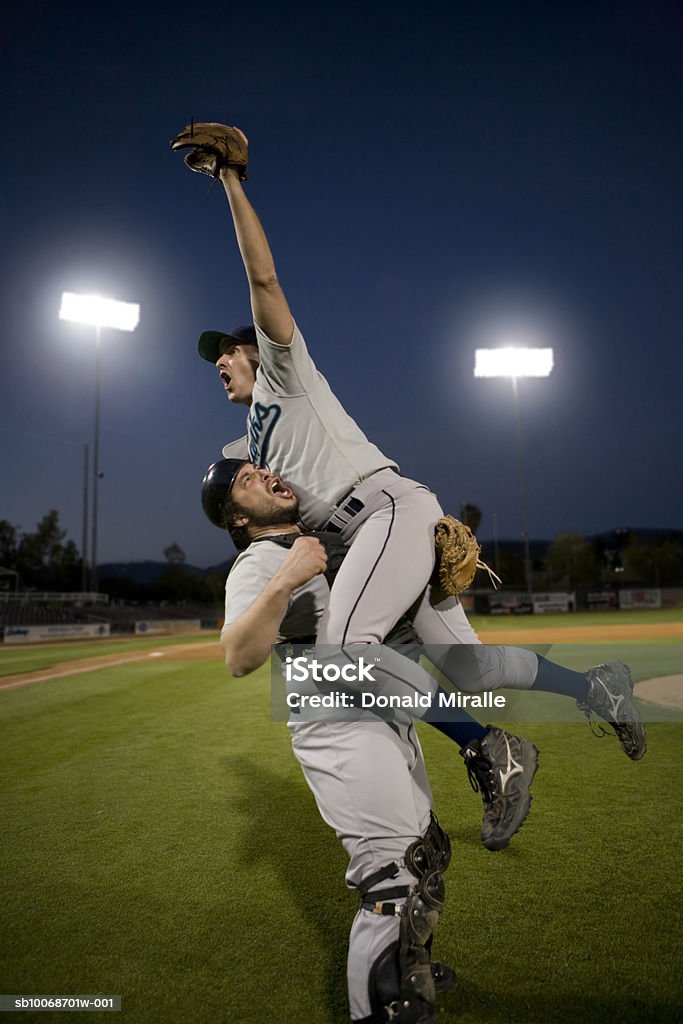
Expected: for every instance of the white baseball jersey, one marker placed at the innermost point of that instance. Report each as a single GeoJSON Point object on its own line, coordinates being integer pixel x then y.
{"type": "Point", "coordinates": [251, 571]}
{"type": "Point", "coordinates": [299, 430]}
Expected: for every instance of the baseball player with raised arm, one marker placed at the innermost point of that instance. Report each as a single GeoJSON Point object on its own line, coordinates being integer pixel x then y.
{"type": "Point", "coordinates": [297, 428]}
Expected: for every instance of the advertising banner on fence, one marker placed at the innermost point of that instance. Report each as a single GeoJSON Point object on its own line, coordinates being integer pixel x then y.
{"type": "Point", "coordinates": [544, 603]}
{"type": "Point", "coordinates": [640, 599]}
{"type": "Point", "coordinates": [601, 600]}
{"type": "Point", "coordinates": [506, 603]}
{"type": "Point", "coordinates": [151, 626]}
{"type": "Point", "coordinates": [63, 631]}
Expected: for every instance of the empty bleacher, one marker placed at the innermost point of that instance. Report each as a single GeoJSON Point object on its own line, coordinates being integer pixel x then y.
{"type": "Point", "coordinates": [121, 618]}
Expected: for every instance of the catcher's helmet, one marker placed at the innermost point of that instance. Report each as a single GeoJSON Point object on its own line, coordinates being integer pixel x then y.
{"type": "Point", "coordinates": [210, 341]}
{"type": "Point", "coordinates": [216, 487]}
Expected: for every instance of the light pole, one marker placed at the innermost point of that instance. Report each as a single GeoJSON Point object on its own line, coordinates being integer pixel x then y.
{"type": "Point", "coordinates": [84, 544]}
{"type": "Point", "coordinates": [514, 362]}
{"type": "Point", "coordinates": [100, 312]}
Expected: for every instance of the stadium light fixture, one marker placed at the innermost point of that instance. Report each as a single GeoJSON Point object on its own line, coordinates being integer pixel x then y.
{"type": "Point", "coordinates": [514, 361]}
{"type": "Point", "coordinates": [100, 312]}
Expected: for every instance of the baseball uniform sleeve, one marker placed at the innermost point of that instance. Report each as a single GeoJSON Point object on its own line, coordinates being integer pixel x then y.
{"type": "Point", "coordinates": [253, 568]}
{"type": "Point", "coordinates": [237, 449]}
{"type": "Point", "coordinates": [248, 576]}
{"type": "Point", "coordinates": [287, 369]}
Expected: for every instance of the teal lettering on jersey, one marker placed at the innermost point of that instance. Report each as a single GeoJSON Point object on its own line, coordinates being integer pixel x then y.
{"type": "Point", "coordinates": [260, 423]}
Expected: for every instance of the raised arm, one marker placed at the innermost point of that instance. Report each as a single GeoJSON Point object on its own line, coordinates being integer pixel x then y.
{"type": "Point", "coordinates": [247, 641]}
{"type": "Point", "coordinates": [222, 151]}
{"type": "Point", "coordinates": [268, 302]}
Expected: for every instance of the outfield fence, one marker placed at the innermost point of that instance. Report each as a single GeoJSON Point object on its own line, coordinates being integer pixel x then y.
{"type": "Point", "coordinates": [59, 631]}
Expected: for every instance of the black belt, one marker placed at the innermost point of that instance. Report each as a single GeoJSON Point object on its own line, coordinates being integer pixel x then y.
{"type": "Point", "coordinates": [345, 512]}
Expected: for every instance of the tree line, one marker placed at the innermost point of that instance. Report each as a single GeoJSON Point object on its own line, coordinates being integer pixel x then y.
{"type": "Point", "coordinates": [46, 559]}
{"type": "Point", "coordinates": [621, 557]}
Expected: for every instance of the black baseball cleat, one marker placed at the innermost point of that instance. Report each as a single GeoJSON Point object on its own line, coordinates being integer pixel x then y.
{"type": "Point", "coordinates": [501, 766]}
{"type": "Point", "coordinates": [445, 978]}
{"type": "Point", "coordinates": [610, 695]}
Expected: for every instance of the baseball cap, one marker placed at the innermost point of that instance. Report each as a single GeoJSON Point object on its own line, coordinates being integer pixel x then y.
{"type": "Point", "coordinates": [209, 341]}
{"type": "Point", "coordinates": [216, 487]}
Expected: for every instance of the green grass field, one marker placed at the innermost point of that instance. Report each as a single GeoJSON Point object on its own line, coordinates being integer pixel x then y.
{"type": "Point", "coordinates": [34, 657]}
{"type": "Point", "coordinates": [160, 843]}
{"type": "Point", "coordinates": [489, 623]}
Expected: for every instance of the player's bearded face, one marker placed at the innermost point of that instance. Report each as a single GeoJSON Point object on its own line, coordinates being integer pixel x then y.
{"type": "Point", "coordinates": [263, 499]}
{"type": "Point", "coordinates": [272, 514]}
{"type": "Point", "coordinates": [237, 368]}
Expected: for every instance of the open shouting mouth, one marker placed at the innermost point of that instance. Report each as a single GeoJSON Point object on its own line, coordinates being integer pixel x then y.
{"type": "Point", "coordinates": [277, 487]}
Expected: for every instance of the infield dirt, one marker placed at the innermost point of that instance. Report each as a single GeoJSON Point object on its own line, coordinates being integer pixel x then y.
{"type": "Point", "coordinates": [666, 691]}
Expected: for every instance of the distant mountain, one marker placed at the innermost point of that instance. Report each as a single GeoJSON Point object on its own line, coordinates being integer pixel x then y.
{"type": "Point", "coordinates": [149, 572]}
{"type": "Point", "coordinates": [220, 570]}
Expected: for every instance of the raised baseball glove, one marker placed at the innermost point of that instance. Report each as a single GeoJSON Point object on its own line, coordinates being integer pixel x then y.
{"type": "Point", "coordinates": [457, 556]}
{"type": "Point", "coordinates": [213, 146]}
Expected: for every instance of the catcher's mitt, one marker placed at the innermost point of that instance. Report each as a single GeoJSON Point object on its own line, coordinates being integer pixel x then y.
{"type": "Point", "coordinates": [213, 146]}
{"type": "Point", "coordinates": [457, 556]}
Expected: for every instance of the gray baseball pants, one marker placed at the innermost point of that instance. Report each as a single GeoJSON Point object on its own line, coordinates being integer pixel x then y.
{"type": "Point", "coordinates": [387, 570]}
{"type": "Point", "coordinates": [370, 784]}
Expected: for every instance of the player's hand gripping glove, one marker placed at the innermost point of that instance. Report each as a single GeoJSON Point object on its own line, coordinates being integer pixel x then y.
{"type": "Point", "coordinates": [457, 556]}
{"type": "Point", "coordinates": [213, 146]}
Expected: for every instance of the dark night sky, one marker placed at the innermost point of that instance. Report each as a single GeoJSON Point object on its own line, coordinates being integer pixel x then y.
{"type": "Point", "coordinates": [427, 179]}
